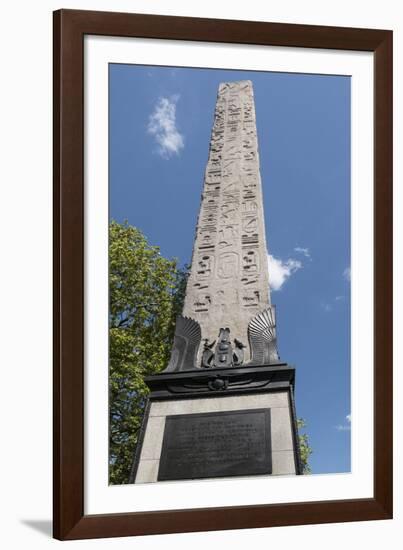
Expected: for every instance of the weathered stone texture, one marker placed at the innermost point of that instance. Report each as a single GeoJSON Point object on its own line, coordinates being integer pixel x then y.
{"type": "Point", "coordinates": [228, 283]}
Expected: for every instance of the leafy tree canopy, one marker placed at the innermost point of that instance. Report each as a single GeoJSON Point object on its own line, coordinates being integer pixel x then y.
{"type": "Point", "coordinates": [304, 448]}
{"type": "Point", "coordinates": [146, 294]}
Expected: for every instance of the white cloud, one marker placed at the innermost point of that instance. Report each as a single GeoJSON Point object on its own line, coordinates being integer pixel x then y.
{"type": "Point", "coordinates": [280, 271]}
{"type": "Point", "coordinates": [162, 125]}
{"type": "Point", "coordinates": [326, 307]}
{"type": "Point", "coordinates": [344, 427]}
{"type": "Point", "coordinates": [347, 274]}
{"type": "Point", "coordinates": [304, 251]}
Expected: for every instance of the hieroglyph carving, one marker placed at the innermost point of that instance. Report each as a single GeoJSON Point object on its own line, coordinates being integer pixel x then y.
{"type": "Point", "coordinates": [228, 284]}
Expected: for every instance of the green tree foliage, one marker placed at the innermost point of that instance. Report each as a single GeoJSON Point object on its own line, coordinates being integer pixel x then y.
{"type": "Point", "coordinates": [146, 294]}
{"type": "Point", "coordinates": [304, 448]}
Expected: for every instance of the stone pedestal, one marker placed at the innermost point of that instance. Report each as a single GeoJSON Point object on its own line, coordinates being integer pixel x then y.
{"type": "Point", "coordinates": [218, 423]}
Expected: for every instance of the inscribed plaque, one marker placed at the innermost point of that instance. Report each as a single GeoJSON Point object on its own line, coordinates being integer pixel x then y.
{"type": "Point", "coordinates": [205, 445]}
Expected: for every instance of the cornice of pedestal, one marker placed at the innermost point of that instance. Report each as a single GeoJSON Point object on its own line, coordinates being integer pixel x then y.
{"type": "Point", "coordinates": [221, 381]}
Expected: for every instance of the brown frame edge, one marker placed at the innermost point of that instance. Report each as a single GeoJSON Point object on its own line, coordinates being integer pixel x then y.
{"type": "Point", "coordinates": [70, 26]}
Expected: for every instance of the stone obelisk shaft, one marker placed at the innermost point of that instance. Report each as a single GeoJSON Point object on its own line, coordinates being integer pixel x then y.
{"type": "Point", "coordinates": [228, 282]}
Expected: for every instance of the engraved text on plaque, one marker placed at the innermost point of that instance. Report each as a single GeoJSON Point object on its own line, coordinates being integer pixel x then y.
{"type": "Point", "coordinates": [216, 445]}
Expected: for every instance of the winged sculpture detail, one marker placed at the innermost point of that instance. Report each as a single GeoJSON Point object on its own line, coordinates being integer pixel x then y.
{"type": "Point", "coordinates": [262, 338]}
{"type": "Point", "coordinates": [186, 345]}
{"type": "Point", "coordinates": [262, 342]}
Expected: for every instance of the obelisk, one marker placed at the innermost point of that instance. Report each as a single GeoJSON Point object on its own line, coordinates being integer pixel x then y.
{"type": "Point", "coordinates": [229, 279]}
{"type": "Point", "coordinates": [224, 404]}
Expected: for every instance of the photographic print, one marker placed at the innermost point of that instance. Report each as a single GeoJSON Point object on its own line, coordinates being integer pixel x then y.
{"type": "Point", "coordinates": [229, 273]}
{"type": "Point", "coordinates": [216, 366]}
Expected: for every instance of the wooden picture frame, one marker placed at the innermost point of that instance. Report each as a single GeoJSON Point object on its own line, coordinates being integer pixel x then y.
{"type": "Point", "coordinates": [70, 27]}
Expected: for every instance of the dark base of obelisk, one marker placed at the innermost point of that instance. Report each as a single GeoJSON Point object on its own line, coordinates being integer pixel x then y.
{"type": "Point", "coordinates": [220, 422]}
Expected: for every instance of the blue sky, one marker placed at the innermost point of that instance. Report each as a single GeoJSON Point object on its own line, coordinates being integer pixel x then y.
{"type": "Point", "coordinates": [160, 125]}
